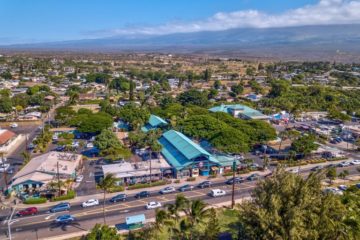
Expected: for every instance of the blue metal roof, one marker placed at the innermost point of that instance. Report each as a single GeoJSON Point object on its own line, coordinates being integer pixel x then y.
{"type": "Point", "coordinates": [180, 151]}
{"type": "Point", "coordinates": [247, 111]}
{"type": "Point", "coordinates": [136, 219]}
{"type": "Point", "coordinates": [155, 121]}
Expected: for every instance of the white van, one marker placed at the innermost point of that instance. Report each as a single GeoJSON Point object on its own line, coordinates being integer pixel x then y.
{"type": "Point", "coordinates": [217, 192]}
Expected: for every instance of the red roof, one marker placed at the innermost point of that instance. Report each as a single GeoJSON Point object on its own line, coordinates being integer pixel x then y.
{"type": "Point", "coordinates": [5, 136]}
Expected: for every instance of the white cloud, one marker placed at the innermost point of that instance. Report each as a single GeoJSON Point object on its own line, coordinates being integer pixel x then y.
{"type": "Point", "coordinates": [323, 13]}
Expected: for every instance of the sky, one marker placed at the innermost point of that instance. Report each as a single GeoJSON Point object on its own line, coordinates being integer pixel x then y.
{"type": "Point", "coordinates": [31, 21]}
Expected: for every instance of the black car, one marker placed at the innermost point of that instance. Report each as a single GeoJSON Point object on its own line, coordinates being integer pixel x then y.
{"type": "Point", "coordinates": [253, 177]}
{"type": "Point", "coordinates": [142, 194]}
{"type": "Point", "coordinates": [236, 180]}
{"type": "Point", "coordinates": [317, 168]}
{"type": "Point", "coordinates": [204, 184]}
{"type": "Point", "coordinates": [118, 198]}
{"type": "Point", "coordinates": [186, 187]}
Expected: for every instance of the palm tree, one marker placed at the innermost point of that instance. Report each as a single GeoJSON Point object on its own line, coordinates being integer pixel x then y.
{"type": "Point", "coordinates": [196, 213]}
{"type": "Point", "coordinates": [26, 156]}
{"type": "Point", "coordinates": [107, 183]}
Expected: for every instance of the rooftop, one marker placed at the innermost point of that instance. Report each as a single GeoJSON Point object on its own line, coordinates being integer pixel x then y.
{"type": "Point", "coordinates": [5, 136]}
{"type": "Point", "coordinates": [245, 110]}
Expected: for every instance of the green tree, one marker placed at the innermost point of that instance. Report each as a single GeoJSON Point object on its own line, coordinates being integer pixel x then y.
{"type": "Point", "coordinates": [207, 75]}
{"type": "Point", "coordinates": [102, 232]}
{"type": "Point", "coordinates": [331, 174]}
{"type": "Point", "coordinates": [344, 174]}
{"type": "Point", "coordinates": [106, 184]}
{"type": "Point", "coordinates": [5, 105]}
{"type": "Point", "coordinates": [237, 89]}
{"type": "Point", "coordinates": [212, 229]}
{"type": "Point", "coordinates": [94, 123]}
{"type": "Point", "coordinates": [305, 144]}
{"type": "Point", "coordinates": [26, 157]}
{"type": "Point", "coordinates": [194, 97]}
{"type": "Point", "coordinates": [288, 206]}
{"type": "Point", "coordinates": [110, 146]}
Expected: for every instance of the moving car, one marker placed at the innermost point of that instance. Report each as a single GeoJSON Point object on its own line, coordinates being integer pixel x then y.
{"type": "Point", "coordinates": [152, 205]}
{"type": "Point", "coordinates": [90, 203]}
{"type": "Point", "coordinates": [27, 212]}
{"type": "Point", "coordinates": [64, 206]}
{"type": "Point", "coordinates": [217, 193]}
{"type": "Point", "coordinates": [118, 198]}
{"type": "Point", "coordinates": [64, 219]}
{"type": "Point", "coordinates": [236, 180]}
{"type": "Point", "coordinates": [142, 194]}
{"type": "Point", "coordinates": [342, 187]}
{"type": "Point", "coordinates": [317, 168]}
{"type": "Point", "coordinates": [167, 190]}
{"type": "Point", "coordinates": [294, 170]}
{"type": "Point", "coordinates": [253, 177]}
{"type": "Point", "coordinates": [14, 125]}
{"type": "Point", "coordinates": [355, 162]}
{"type": "Point", "coordinates": [79, 178]}
{"type": "Point", "coordinates": [186, 187]}
{"type": "Point", "coordinates": [205, 184]}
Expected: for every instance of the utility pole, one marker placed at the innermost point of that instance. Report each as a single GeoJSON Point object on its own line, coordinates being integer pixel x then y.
{"type": "Point", "coordinates": [150, 167]}
{"type": "Point", "coordinates": [58, 178]}
{"type": "Point", "coordinates": [233, 186]}
{"type": "Point", "coordinates": [10, 221]}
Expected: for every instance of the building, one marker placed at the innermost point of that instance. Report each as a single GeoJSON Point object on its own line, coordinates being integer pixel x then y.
{"type": "Point", "coordinates": [241, 111]}
{"type": "Point", "coordinates": [6, 140]}
{"type": "Point", "coordinates": [187, 158]}
{"type": "Point", "coordinates": [41, 170]}
{"type": "Point", "coordinates": [153, 123]}
{"type": "Point", "coordinates": [130, 173]}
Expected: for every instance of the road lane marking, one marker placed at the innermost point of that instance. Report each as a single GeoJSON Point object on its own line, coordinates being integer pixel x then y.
{"type": "Point", "coordinates": [50, 216]}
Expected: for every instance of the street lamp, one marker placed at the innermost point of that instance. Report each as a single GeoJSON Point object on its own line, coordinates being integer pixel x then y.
{"type": "Point", "coordinates": [233, 185]}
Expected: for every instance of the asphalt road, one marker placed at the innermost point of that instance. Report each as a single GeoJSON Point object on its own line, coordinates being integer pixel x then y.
{"type": "Point", "coordinates": [24, 227]}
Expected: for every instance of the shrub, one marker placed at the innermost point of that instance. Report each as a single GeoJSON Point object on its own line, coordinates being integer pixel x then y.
{"type": "Point", "coordinates": [70, 195]}
{"type": "Point", "coordinates": [228, 174]}
{"type": "Point", "coordinates": [177, 181]}
{"type": "Point", "coordinates": [146, 185]}
{"type": "Point", "coordinates": [35, 200]}
{"type": "Point", "coordinates": [117, 189]}
{"type": "Point", "coordinates": [191, 179]}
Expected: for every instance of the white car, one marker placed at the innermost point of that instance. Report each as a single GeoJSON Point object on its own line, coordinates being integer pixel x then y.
{"type": "Point", "coordinates": [355, 162]}
{"type": "Point", "coordinates": [333, 191]}
{"type": "Point", "coordinates": [167, 190]}
{"type": "Point", "coordinates": [90, 203]}
{"type": "Point", "coordinates": [294, 170]}
{"type": "Point", "coordinates": [55, 138]}
{"type": "Point", "coordinates": [79, 178]}
{"type": "Point", "coordinates": [153, 205]}
{"type": "Point", "coordinates": [75, 144]}
{"type": "Point", "coordinates": [4, 167]}
{"type": "Point", "coordinates": [14, 125]}
{"type": "Point", "coordinates": [217, 192]}
{"type": "Point", "coordinates": [344, 164]}
{"type": "Point", "coordinates": [90, 145]}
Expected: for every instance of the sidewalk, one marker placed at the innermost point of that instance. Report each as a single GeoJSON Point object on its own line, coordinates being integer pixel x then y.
{"type": "Point", "coordinates": [100, 196]}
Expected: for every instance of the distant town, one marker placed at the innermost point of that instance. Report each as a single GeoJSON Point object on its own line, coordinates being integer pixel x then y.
{"type": "Point", "coordinates": [176, 146]}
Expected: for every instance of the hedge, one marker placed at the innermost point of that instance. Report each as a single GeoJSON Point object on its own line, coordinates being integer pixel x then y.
{"type": "Point", "coordinates": [191, 179]}
{"type": "Point", "coordinates": [70, 195]}
{"type": "Point", "coordinates": [146, 185]}
{"type": "Point", "coordinates": [35, 200]}
{"type": "Point", "coordinates": [117, 189]}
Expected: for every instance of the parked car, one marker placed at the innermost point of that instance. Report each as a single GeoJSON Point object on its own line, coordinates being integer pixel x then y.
{"type": "Point", "coordinates": [118, 198]}
{"type": "Point", "coordinates": [79, 178]}
{"type": "Point", "coordinates": [27, 212]}
{"type": "Point", "coordinates": [31, 146]}
{"type": "Point", "coordinates": [14, 125]}
{"type": "Point", "coordinates": [60, 148]}
{"type": "Point", "coordinates": [67, 218]}
{"type": "Point", "coordinates": [236, 180]}
{"type": "Point", "coordinates": [90, 203]}
{"type": "Point", "coordinates": [253, 177]}
{"type": "Point", "coordinates": [186, 187]}
{"type": "Point", "coordinates": [89, 145]}
{"type": "Point", "coordinates": [166, 190]}
{"type": "Point", "coordinates": [358, 185]}
{"type": "Point", "coordinates": [355, 162]}
{"type": "Point", "coordinates": [344, 164]}
{"type": "Point", "coordinates": [152, 205]}
{"type": "Point", "coordinates": [205, 184]}
{"type": "Point", "coordinates": [333, 191]}
{"type": "Point", "coordinates": [4, 167]}
{"type": "Point", "coordinates": [217, 193]}
{"type": "Point", "coordinates": [142, 194]}
{"type": "Point", "coordinates": [342, 187]}
{"type": "Point", "coordinates": [64, 206]}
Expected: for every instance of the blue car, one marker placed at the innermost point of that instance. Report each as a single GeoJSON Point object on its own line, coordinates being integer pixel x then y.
{"type": "Point", "coordinates": [65, 206]}
{"type": "Point", "coordinates": [65, 219]}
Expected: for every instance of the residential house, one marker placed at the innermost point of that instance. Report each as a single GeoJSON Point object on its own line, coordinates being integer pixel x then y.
{"type": "Point", "coordinates": [241, 111]}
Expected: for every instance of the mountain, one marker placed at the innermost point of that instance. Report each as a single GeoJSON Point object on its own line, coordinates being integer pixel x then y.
{"type": "Point", "coordinates": [331, 42]}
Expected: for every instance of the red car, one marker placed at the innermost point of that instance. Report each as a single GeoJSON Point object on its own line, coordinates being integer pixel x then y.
{"type": "Point", "coordinates": [27, 212]}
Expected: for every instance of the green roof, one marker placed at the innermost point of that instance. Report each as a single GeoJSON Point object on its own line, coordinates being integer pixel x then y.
{"type": "Point", "coordinates": [247, 111]}
{"type": "Point", "coordinates": [155, 121]}
{"type": "Point", "coordinates": [179, 150]}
